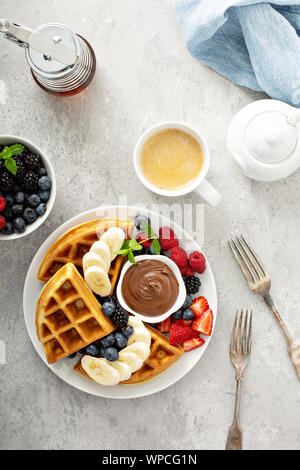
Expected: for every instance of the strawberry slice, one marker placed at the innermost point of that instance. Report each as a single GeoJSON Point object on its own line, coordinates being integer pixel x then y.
{"type": "Point", "coordinates": [199, 306]}
{"type": "Point", "coordinates": [181, 332]}
{"type": "Point", "coordinates": [164, 326]}
{"type": "Point", "coordinates": [193, 343]}
{"type": "Point", "coordinates": [204, 323]}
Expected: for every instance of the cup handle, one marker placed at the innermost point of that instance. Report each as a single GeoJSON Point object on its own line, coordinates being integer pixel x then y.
{"type": "Point", "coordinates": [209, 193]}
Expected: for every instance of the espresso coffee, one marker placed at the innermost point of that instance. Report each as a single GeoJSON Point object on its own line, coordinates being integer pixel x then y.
{"type": "Point", "coordinates": [171, 159]}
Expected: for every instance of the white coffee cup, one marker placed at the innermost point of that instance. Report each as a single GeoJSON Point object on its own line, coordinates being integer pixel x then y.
{"type": "Point", "coordinates": [200, 184]}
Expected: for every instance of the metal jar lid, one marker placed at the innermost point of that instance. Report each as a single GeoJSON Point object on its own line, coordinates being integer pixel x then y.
{"type": "Point", "coordinates": [46, 66]}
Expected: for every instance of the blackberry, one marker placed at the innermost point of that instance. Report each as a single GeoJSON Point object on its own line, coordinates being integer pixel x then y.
{"type": "Point", "coordinates": [21, 169]}
{"type": "Point", "coordinates": [6, 181]}
{"type": "Point", "coordinates": [120, 317]}
{"type": "Point", "coordinates": [33, 162]}
{"type": "Point", "coordinates": [109, 298]}
{"type": "Point", "coordinates": [29, 182]}
{"type": "Point", "coordinates": [192, 284]}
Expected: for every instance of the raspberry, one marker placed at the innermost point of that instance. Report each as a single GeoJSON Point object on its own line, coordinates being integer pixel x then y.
{"type": "Point", "coordinates": [197, 262]}
{"type": "Point", "coordinates": [2, 203]}
{"type": "Point", "coordinates": [142, 236]}
{"type": "Point", "coordinates": [167, 238]}
{"type": "Point", "coordinates": [187, 270]}
{"type": "Point", "coordinates": [2, 222]}
{"type": "Point", "coordinates": [179, 256]}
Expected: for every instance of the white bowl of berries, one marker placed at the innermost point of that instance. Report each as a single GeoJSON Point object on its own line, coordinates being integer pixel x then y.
{"type": "Point", "coordinates": [27, 187]}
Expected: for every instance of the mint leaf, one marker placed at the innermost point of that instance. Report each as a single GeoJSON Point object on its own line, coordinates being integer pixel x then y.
{"type": "Point", "coordinates": [131, 257]}
{"type": "Point", "coordinates": [122, 252]}
{"type": "Point", "coordinates": [156, 246]}
{"type": "Point", "coordinates": [16, 149]}
{"type": "Point", "coordinates": [134, 245]}
{"type": "Point", "coordinates": [147, 229]}
{"type": "Point", "coordinates": [6, 153]}
{"type": "Point", "coordinates": [125, 245]}
{"type": "Point", "coordinates": [11, 165]}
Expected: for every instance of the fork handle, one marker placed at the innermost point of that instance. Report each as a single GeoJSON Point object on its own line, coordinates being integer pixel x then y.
{"type": "Point", "coordinates": [234, 438]}
{"type": "Point", "coordinates": [293, 346]}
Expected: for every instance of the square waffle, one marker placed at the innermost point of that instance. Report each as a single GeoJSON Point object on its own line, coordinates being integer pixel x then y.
{"type": "Point", "coordinates": [162, 356]}
{"type": "Point", "coordinates": [76, 242]}
{"type": "Point", "coordinates": [68, 316]}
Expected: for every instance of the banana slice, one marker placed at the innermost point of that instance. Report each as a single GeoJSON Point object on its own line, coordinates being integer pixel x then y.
{"type": "Point", "coordinates": [140, 334]}
{"type": "Point", "coordinates": [123, 369]}
{"type": "Point", "coordinates": [142, 350]}
{"type": "Point", "coordinates": [131, 359]}
{"type": "Point", "coordinates": [97, 280]}
{"type": "Point", "coordinates": [114, 237]}
{"type": "Point", "coordinates": [92, 259]}
{"type": "Point", "coordinates": [102, 249]}
{"type": "Point", "coordinates": [100, 370]}
{"type": "Point", "coordinates": [135, 322]}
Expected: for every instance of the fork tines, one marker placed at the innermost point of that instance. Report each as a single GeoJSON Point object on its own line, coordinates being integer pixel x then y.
{"type": "Point", "coordinates": [241, 337]}
{"type": "Point", "coordinates": [248, 261]}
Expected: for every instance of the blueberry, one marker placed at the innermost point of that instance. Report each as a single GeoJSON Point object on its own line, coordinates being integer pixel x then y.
{"type": "Point", "coordinates": [7, 214]}
{"type": "Point", "coordinates": [108, 341]}
{"type": "Point", "coordinates": [45, 183]}
{"type": "Point", "coordinates": [102, 351]}
{"type": "Point", "coordinates": [188, 315]}
{"type": "Point", "coordinates": [19, 197]}
{"type": "Point", "coordinates": [44, 195]}
{"type": "Point", "coordinates": [34, 200]}
{"type": "Point", "coordinates": [42, 172]}
{"type": "Point", "coordinates": [72, 355]}
{"type": "Point", "coordinates": [188, 302]}
{"type": "Point", "coordinates": [128, 330]}
{"type": "Point", "coordinates": [93, 349]}
{"type": "Point", "coordinates": [30, 215]}
{"type": "Point", "coordinates": [121, 340]}
{"type": "Point", "coordinates": [17, 209]}
{"type": "Point", "coordinates": [41, 209]}
{"type": "Point", "coordinates": [19, 224]}
{"type": "Point", "coordinates": [139, 219]}
{"type": "Point", "coordinates": [108, 308]}
{"type": "Point", "coordinates": [111, 354]}
{"type": "Point", "coordinates": [177, 315]}
{"type": "Point", "coordinates": [8, 229]}
{"type": "Point", "coordinates": [152, 252]}
{"type": "Point", "coordinates": [9, 200]}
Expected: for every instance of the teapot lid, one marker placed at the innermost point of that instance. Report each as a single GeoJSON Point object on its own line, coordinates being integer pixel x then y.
{"type": "Point", "coordinates": [269, 137]}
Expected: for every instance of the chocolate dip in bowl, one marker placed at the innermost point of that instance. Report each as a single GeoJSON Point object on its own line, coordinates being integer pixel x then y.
{"type": "Point", "coordinates": [152, 289]}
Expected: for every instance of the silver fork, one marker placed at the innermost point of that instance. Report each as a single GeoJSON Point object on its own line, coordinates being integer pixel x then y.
{"type": "Point", "coordinates": [240, 349]}
{"type": "Point", "coordinates": [260, 282]}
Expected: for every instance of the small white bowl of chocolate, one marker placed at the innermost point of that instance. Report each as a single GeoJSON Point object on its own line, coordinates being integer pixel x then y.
{"type": "Point", "coordinates": [152, 288]}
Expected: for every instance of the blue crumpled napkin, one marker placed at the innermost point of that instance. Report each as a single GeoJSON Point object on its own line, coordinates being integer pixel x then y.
{"type": "Point", "coordinates": [254, 43]}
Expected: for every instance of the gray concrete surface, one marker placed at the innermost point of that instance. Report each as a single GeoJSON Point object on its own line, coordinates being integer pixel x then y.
{"type": "Point", "coordinates": [144, 76]}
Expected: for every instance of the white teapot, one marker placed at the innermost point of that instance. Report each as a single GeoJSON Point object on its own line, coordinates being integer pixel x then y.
{"type": "Point", "coordinates": [264, 140]}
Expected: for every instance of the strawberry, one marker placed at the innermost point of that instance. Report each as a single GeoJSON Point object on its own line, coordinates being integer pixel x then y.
{"type": "Point", "coordinates": [165, 326]}
{"type": "Point", "coordinates": [193, 343]}
{"type": "Point", "coordinates": [2, 222]}
{"type": "Point", "coordinates": [2, 203]}
{"type": "Point", "coordinates": [199, 306]}
{"type": "Point", "coordinates": [204, 323]}
{"type": "Point", "coordinates": [181, 332]}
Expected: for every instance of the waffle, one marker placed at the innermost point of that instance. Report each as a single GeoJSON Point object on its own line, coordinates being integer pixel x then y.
{"type": "Point", "coordinates": [72, 246]}
{"type": "Point", "coordinates": [162, 356]}
{"type": "Point", "coordinates": [68, 316]}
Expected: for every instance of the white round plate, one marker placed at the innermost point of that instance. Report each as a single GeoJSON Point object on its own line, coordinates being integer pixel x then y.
{"type": "Point", "coordinates": [64, 367]}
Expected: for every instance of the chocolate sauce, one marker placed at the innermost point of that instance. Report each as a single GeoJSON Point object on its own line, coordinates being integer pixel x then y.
{"type": "Point", "coordinates": [150, 287]}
